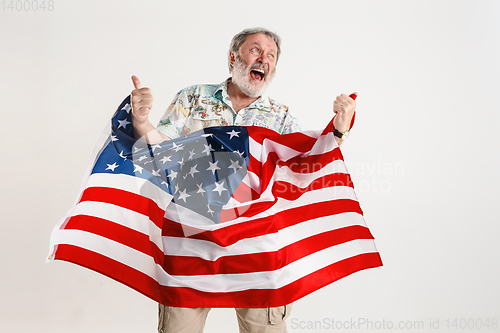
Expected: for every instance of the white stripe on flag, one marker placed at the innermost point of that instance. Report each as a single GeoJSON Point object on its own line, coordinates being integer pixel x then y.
{"type": "Point", "coordinates": [111, 249]}
{"type": "Point", "coordinates": [307, 198]}
{"type": "Point", "coordinates": [281, 277]}
{"type": "Point", "coordinates": [122, 216]}
{"type": "Point", "coordinates": [265, 243]}
{"type": "Point", "coordinates": [219, 282]}
{"type": "Point", "coordinates": [325, 144]}
{"type": "Point", "coordinates": [137, 185]}
{"type": "Point", "coordinates": [269, 146]}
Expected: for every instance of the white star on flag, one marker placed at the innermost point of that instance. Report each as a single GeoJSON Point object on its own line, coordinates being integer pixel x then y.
{"type": "Point", "coordinates": [176, 148]}
{"type": "Point", "coordinates": [121, 155]}
{"type": "Point", "coordinates": [191, 155]}
{"type": "Point", "coordinates": [219, 188]}
{"type": "Point", "coordinates": [233, 133]}
{"type": "Point", "coordinates": [200, 189]}
{"type": "Point", "coordinates": [208, 149]}
{"type": "Point", "coordinates": [172, 175]}
{"type": "Point", "coordinates": [166, 159]}
{"type": "Point", "coordinates": [213, 167]}
{"type": "Point", "coordinates": [193, 171]}
{"type": "Point", "coordinates": [112, 167]}
{"type": "Point", "coordinates": [127, 108]}
{"type": "Point", "coordinates": [183, 195]}
{"type": "Point", "coordinates": [234, 165]}
{"type": "Point", "coordinates": [210, 210]}
{"type": "Point", "coordinates": [138, 168]}
{"type": "Point", "coordinates": [124, 123]}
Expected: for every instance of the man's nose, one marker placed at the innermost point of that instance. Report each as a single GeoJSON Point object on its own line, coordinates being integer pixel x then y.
{"type": "Point", "coordinates": [261, 59]}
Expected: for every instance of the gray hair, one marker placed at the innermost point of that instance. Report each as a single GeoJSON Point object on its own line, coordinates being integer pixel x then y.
{"type": "Point", "coordinates": [240, 38]}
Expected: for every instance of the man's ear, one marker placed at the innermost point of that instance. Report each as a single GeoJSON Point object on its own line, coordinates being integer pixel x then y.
{"type": "Point", "coordinates": [232, 58]}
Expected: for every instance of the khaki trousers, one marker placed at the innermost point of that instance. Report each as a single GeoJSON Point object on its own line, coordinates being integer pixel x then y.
{"type": "Point", "coordinates": [192, 320]}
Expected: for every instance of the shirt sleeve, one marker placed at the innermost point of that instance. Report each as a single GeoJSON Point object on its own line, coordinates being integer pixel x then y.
{"type": "Point", "coordinates": [173, 121]}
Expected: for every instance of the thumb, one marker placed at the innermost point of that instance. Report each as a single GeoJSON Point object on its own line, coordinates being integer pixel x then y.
{"type": "Point", "coordinates": [353, 95]}
{"type": "Point", "coordinates": [136, 82]}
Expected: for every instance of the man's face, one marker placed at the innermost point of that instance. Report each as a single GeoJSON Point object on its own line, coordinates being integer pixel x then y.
{"type": "Point", "coordinates": [254, 65]}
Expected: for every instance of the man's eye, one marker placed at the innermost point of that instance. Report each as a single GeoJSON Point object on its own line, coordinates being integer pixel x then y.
{"type": "Point", "coordinates": [254, 50]}
{"type": "Point", "coordinates": [271, 56]}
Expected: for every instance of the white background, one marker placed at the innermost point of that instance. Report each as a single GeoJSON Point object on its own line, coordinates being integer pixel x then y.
{"type": "Point", "coordinates": [423, 154]}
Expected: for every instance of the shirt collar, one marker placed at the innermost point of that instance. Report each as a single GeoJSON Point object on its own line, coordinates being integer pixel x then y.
{"type": "Point", "coordinates": [262, 103]}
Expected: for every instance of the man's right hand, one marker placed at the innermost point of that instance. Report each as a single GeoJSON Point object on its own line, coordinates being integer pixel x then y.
{"type": "Point", "coordinates": [142, 102]}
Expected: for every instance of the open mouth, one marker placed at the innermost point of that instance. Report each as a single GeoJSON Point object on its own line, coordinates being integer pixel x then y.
{"type": "Point", "coordinates": [257, 74]}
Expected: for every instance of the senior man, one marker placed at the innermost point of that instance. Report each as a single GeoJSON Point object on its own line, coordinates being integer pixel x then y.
{"type": "Point", "coordinates": [239, 100]}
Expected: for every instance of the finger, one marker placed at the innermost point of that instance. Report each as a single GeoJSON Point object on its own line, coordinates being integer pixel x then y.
{"type": "Point", "coordinates": [143, 109]}
{"type": "Point", "coordinates": [343, 98]}
{"type": "Point", "coordinates": [138, 102]}
{"type": "Point", "coordinates": [141, 96]}
{"type": "Point", "coordinates": [136, 82]}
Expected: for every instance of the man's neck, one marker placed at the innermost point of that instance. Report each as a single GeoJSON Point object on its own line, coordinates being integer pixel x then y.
{"type": "Point", "coordinates": [238, 98]}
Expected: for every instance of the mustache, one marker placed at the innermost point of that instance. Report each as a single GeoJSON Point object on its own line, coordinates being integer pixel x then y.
{"type": "Point", "coordinates": [265, 68]}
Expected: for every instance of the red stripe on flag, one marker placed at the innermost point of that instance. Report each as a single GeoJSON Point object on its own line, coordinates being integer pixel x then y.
{"type": "Point", "coordinates": [309, 164]}
{"type": "Point", "coordinates": [297, 164]}
{"type": "Point", "coordinates": [297, 141]}
{"type": "Point", "coordinates": [110, 268]}
{"type": "Point", "coordinates": [261, 226]}
{"type": "Point", "coordinates": [188, 297]}
{"type": "Point", "coordinates": [267, 261]}
{"type": "Point", "coordinates": [261, 298]}
{"type": "Point", "coordinates": [128, 200]}
{"type": "Point", "coordinates": [117, 233]}
{"type": "Point", "coordinates": [284, 190]}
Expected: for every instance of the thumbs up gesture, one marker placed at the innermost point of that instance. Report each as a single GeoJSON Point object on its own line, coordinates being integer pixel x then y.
{"type": "Point", "coordinates": [142, 102]}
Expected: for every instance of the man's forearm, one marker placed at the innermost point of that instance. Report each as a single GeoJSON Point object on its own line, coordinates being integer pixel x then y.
{"type": "Point", "coordinates": [342, 124]}
{"type": "Point", "coordinates": [149, 133]}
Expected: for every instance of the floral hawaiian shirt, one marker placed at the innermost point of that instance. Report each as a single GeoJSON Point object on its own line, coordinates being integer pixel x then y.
{"type": "Point", "coordinates": [208, 105]}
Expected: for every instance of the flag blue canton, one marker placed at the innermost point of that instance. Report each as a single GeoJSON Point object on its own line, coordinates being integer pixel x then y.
{"type": "Point", "coordinates": [201, 170]}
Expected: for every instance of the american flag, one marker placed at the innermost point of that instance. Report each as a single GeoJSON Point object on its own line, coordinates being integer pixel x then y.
{"type": "Point", "coordinates": [223, 217]}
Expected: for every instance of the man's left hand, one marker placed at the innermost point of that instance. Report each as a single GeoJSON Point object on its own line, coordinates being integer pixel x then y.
{"type": "Point", "coordinates": [344, 107]}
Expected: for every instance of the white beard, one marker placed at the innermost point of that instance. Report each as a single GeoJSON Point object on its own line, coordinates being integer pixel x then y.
{"type": "Point", "coordinates": [242, 79]}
